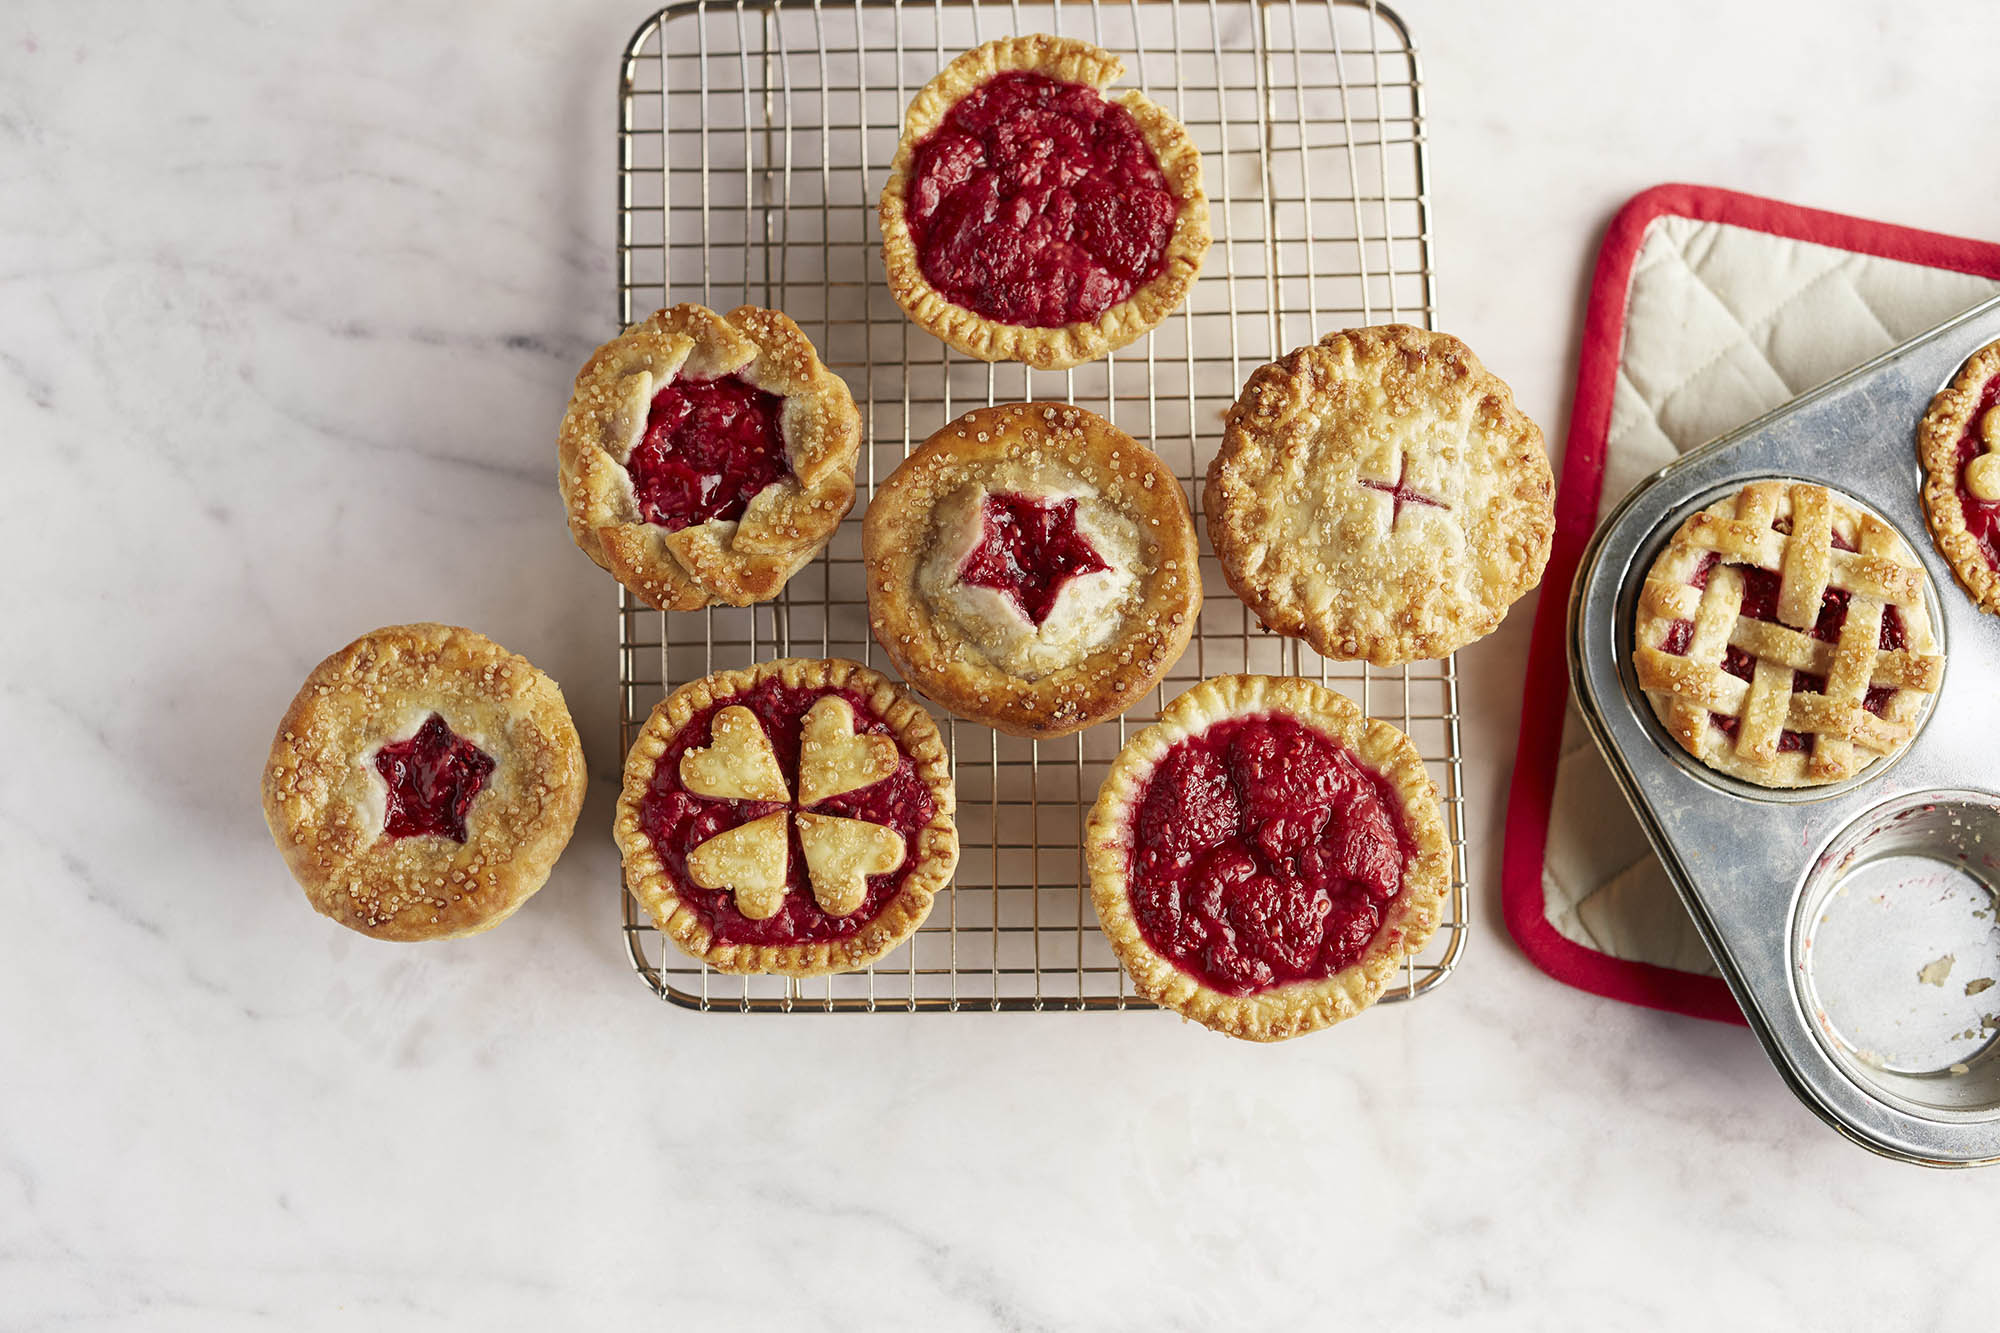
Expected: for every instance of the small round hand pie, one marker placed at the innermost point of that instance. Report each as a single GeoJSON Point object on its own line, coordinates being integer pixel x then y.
{"type": "Point", "coordinates": [1959, 445]}
{"type": "Point", "coordinates": [423, 783]}
{"type": "Point", "coordinates": [1379, 495]}
{"type": "Point", "coordinates": [1263, 858]}
{"type": "Point", "coordinates": [795, 817]}
{"type": "Point", "coordinates": [1030, 217]}
{"type": "Point", "coordinates": [707, 458]}
{"type": "Point", "coordinates": [1032, 567]}
{"type": "Point", "coordinates": [1783, 636]}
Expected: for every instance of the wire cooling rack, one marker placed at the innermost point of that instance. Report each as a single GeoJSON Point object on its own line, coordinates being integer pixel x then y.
{"type": "Point", "coordinates": [754, 140]}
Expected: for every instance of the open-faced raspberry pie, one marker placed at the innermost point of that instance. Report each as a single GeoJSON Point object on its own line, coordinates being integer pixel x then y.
{"type": "Point", "coordinates": [1031, 217]}
{"type": "Point", "coordinates": [1783, 636]}
{"type": "Point", "coordinates": [1959, 445]}
{"type": "Point", "coordinates": [423, 783]}
{"type": "Point", "coordinates": [1263, 858]}
{"type": "Point", "coordinates": [707, 458]}
{"type": "Point", "coordinates": [795, 817]}
{"type": "Point", "coordinates": [1379, 495]}
{"type": "Point", "coordinates": [1032, 567]}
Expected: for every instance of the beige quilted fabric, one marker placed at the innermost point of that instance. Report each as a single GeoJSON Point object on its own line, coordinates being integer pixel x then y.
{"type": "Point", "coordinates": [1722, 325]}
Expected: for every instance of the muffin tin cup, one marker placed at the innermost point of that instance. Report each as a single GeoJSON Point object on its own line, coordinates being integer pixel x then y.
{"type": "Point", "coordinates": [1855, 1007]}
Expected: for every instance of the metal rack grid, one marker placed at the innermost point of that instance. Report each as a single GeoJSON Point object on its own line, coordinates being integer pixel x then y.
{"type": "Point", "coordinates": [754, 140]}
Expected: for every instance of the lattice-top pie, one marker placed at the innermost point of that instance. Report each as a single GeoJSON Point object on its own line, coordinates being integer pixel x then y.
{"type": "Point", "coordinates": [423, 783]}
{"type": "Point", "coordinates": [1379, 495]}
{"type": "Point", "coordinates": [1783, 636]}
{"type": "Point", "coordinates": [1959, 443]}
{"type": "Point", "coordinates": [795, 817]}
{"type": "Point", "coordinates": [1032, 567]}
{"type": "Point", "coordinates": [1264, 857]}
{"type": "Point", "coordinates": [1029, 216]}
{"type": "Point", "coordinates": [707, 458]}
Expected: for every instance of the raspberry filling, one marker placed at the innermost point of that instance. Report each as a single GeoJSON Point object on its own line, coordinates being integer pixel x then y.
{"type": "Point", "coordinates": [1038, 203]}
{"type": "Point", "coordinates": [1028, 549]}
{"type": "Point", "coordinates": [432, 779]}
{"type": "Point", "coordinates": [1982, 517]}
{"type": "Point", "coordinates": [678, 821]}
{"type": "Point", "coordinates": [1761, 588]}
{"type": "Point", "coordinates": [709, 446]}
{"type": "Point", "coordinates": [1264, 853]}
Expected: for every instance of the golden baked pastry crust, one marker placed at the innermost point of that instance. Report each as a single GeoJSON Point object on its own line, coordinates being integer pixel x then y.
{"type": "Point", "coordinates": [1696, 584]}
{"type": "Point", "coordinates": [1297, 1007]}
{"type": "Point", "coordinates": [934, 853]}
{"type": "Point", "coordinates": [1379, 495]}
{"type": "Point", "coordinates": [790, 521]}
{"type": "Point", "coordinates": [1107, 639]}
{"type": "Point", "coordinates": [325, 802]}
{"type": "Point", "coordinates": [1070, 61]}
{"type": "Point", "coordinates": [1938, 434]}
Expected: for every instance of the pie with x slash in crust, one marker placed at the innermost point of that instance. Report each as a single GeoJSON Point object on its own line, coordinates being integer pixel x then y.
{"type": "Point", "coordinates": [1030, 216]}
{"type": "Point", "coordinates": [1783, 636]}
{"type": "Point", "coordinates": [707, 458]}
{"type": "Point", "coordinates": [794, 817]}
{"type": "Point", "coordinates": [423, 783]}
{"type": "Point", "coordinates": [1264, 858]}
{"type": "Point", "coordinates": [1959, 444]}
{"type": "Point", "coordinates": [1378, 495]}
{"type": "Point", "coordinates": [1032, 567]}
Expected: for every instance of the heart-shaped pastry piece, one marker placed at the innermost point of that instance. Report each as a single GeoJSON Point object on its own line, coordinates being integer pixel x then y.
{"type": "Point", "coordinates": [749, 861]}
{"type": "Point", "coordinates": [833, 760]}
{"type": "Point", "coordinates": [842, 853]}
{"type": "Point", "coordinates": [738, 763]}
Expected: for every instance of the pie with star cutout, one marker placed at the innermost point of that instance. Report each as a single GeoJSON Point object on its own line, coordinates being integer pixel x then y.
{"type": "Point", "coordinates": [791, 818]}
{"type": "Point", "coordinates": [1032, 567]}
{"type": "Point", "coordinates": [423, 783]}
{"type": "Point", "coordinates": [1379, 495]}
{"type": "Point", "coordinates": [1264, 857]}
{"type": "Point", "coordinates": [1033, 216]}
{"type": "Point", "coordinates": [1958, 443]}
{"type": "Point", "coordinates": [705, 458]}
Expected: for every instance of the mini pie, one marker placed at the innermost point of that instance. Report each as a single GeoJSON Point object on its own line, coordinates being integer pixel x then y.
{"type": "Point", "coordinates": [1959, 445]}
{"type": "Point", "coordinates": [794, 817]}
{"type": "Point", "coordinates": [1031, 217]}
{"type": "Point", "coordinates": [707, 458]}
{"type": "Point", "coordinates": [1032, 567]}
{"type": "Point", "coordinates": [1378, 495]}
{"type": "Point", "coordinates": [423, 783]}
{"type": "Point", "coordinates": [1263, 858]}
{"type": "Point", "coordinates": [1782, 636]}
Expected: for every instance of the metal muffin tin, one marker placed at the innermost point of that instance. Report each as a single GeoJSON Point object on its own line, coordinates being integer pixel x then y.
{"type": "Point", "coordinates": [1855, 923]}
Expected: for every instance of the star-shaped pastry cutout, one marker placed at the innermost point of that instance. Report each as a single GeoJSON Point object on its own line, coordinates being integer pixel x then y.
{"type": "Point", "coordinates": [431, 778]}
{"type": "Point", "coordinates": [752, 860]}
{"type": "Point", "coordinates": [1028, 549]}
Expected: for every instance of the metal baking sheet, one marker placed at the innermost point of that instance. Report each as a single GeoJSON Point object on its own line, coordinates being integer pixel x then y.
{"type": "Point", "coordinates": [1771, 877]}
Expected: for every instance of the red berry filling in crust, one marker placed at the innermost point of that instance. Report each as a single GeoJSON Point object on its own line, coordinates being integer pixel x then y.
{"type": "Point", "coordinates": [678, 821]}
{"type": "Point", "coordinates": [1028, 549]}
{"type": "Point", "coordinates": [1263, 853]}
{"type": "Point", "coordinates": [1038, 203]}
{"type": "Point", "coordinates": [1982, 517]}
{"type": "Point", "coordinates": [432, 779]}
{"type": "Point", "coordinates": [1761, 588]}
{"type": "Point", "coordinates": [709, 446]}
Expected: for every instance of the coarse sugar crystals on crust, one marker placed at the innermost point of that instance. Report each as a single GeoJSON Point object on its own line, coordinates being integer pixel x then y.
{"type": "Point", "coordinates": [794, 817]}
{"type": "Point", "coordinates": [1379, 495]}
{"type": "Point", "coordinates": [1783, 636]}
{"type": "Point", "coordinates": [1032, 567]}
{"type": "Point", "coordinates": [1264, 858]}
{"type": "Point", "coordinates": [707, 458]}
{"type": "Point", "coordinates": [1958, 443]}
{"type": "Point", "coordinates": [1030, 215]}
{"type": "Point", "coordinates": [423, 783]}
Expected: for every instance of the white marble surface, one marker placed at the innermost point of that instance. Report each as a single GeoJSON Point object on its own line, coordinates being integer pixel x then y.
{"type": "Point", "coordinates": [291, 292]}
